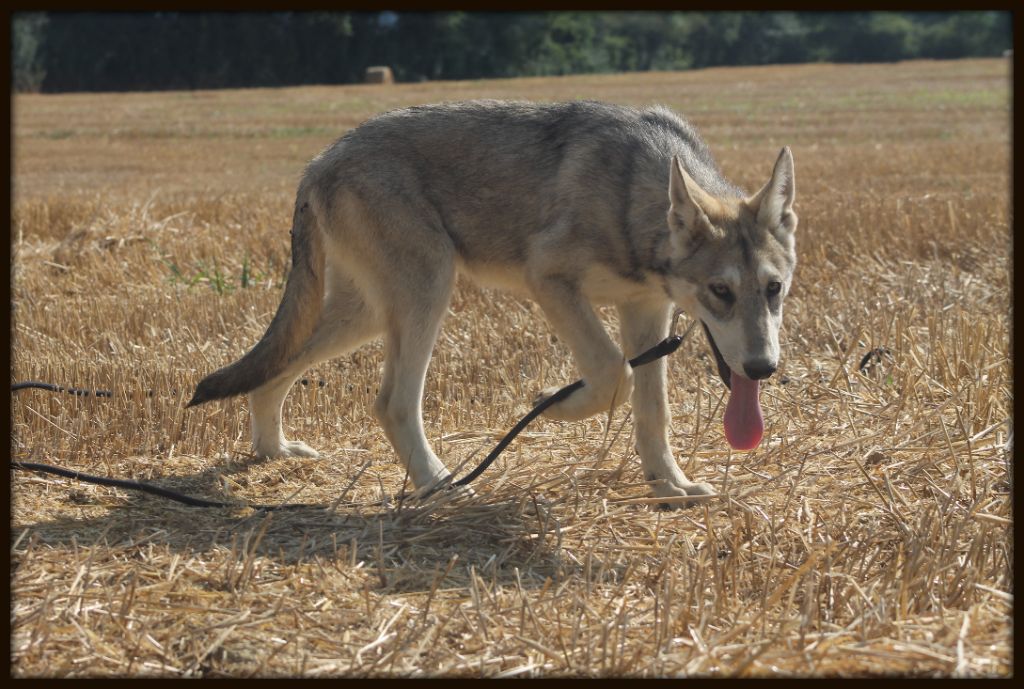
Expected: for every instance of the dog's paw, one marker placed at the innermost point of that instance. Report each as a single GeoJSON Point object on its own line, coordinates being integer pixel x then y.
{"type": "Point", "coordinates": [598, 395]}
{"type": "Point", "coordinates": [297, 448]}
{"type": "Point", "coordinates": [679, 496]}
{"type": "Point", "coordinates": [287, 448]}
{"type": "Point", "coordinates": [568, 409]}
{"type": "Point", "coordinates": [543, 395]}
{"type": "Point", "coordinates": [430, 484]}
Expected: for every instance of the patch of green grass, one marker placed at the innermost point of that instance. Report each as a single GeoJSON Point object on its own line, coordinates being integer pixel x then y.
{"type": "Point", "coordinates": [219, 281]}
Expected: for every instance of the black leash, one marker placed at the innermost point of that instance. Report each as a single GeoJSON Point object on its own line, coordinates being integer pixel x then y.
{"type": "Point", "coordinates": [663, 348]}
{"type": "Point", "coordinates": [79, 392]}
{"type": "Point", "coordinates": [85, 392]}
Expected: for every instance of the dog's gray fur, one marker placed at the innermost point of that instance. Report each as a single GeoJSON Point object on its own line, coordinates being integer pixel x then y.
{"type": "Point", "coordinates": [571, 204]}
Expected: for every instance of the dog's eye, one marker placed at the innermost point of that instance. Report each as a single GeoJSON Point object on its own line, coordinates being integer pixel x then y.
{"type": "Point", "coordinates": [773, 289]}
{"type": "Point", "coordinates": [721, 291]}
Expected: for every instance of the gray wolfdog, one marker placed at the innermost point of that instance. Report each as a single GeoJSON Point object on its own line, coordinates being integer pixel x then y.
{"type": "Point", "coordinates": [570, 204]}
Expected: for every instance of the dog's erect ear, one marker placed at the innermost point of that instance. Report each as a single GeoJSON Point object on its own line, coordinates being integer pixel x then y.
{"type": "Point", "coordinates": [687, 215]}
{"type": "Point", "coordinates": [773, 204]}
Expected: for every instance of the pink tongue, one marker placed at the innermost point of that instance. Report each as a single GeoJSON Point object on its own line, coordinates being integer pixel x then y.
{"type": "Point", "coordinates": [744, 424]}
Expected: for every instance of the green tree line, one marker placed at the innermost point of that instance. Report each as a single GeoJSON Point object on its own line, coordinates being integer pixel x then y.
{"type": "Point", "coordinates": [68, 51]}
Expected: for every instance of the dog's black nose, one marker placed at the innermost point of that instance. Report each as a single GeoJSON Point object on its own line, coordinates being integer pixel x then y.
{"type": "Point", "coordinates": [759, 369]}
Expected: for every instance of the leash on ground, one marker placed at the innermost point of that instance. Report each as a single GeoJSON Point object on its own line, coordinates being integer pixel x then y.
{"type": "Point", "coordinates": [87, 392]}
{"type": "Point", "coordinates": [667, 346]}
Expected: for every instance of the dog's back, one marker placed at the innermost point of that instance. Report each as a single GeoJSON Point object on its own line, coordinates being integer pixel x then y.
{"type": "Point", "coordinates": [489, 174]}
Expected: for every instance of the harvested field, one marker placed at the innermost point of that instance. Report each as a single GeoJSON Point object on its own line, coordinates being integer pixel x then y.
{"type": "Point", "coordinates": [871, 532]}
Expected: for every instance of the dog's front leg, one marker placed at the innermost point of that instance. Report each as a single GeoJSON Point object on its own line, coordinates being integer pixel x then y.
{"type": "Point", "coordinates": [643, 325]}
{"type": "Point", "coordinates": [607, 375]}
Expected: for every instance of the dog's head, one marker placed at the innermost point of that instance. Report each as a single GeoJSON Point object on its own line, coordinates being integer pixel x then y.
{"type": "Point", "coordinates": [733, 261]}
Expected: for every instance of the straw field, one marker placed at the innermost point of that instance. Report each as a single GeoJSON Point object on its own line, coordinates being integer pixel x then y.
{"type": "Point", "coordinates": [870, 533]}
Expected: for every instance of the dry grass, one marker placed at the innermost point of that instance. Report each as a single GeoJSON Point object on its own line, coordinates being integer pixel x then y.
{"type": "Point", "coordinates": [871, 533]}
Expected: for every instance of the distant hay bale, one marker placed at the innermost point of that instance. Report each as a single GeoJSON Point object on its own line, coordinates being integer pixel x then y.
{"type": "Point", "coordinates": [380, 74]}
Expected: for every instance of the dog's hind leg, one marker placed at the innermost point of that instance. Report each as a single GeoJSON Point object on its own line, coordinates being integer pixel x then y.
{"type": "Point", "coordinates": [345, 322]}
{"type": "Point", "coordinates": [417, 308]}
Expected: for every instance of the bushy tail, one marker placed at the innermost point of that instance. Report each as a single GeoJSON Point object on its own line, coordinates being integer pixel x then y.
{"type": "Point", "coordinates": [292, 325]}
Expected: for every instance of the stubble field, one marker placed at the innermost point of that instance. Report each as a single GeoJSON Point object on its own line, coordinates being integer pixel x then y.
{"type": "Point", "coordinates": [870, 533]}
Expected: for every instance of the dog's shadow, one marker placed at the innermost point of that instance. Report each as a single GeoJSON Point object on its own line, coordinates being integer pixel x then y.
{"type": "Point", "coordinates": [406, 541]}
